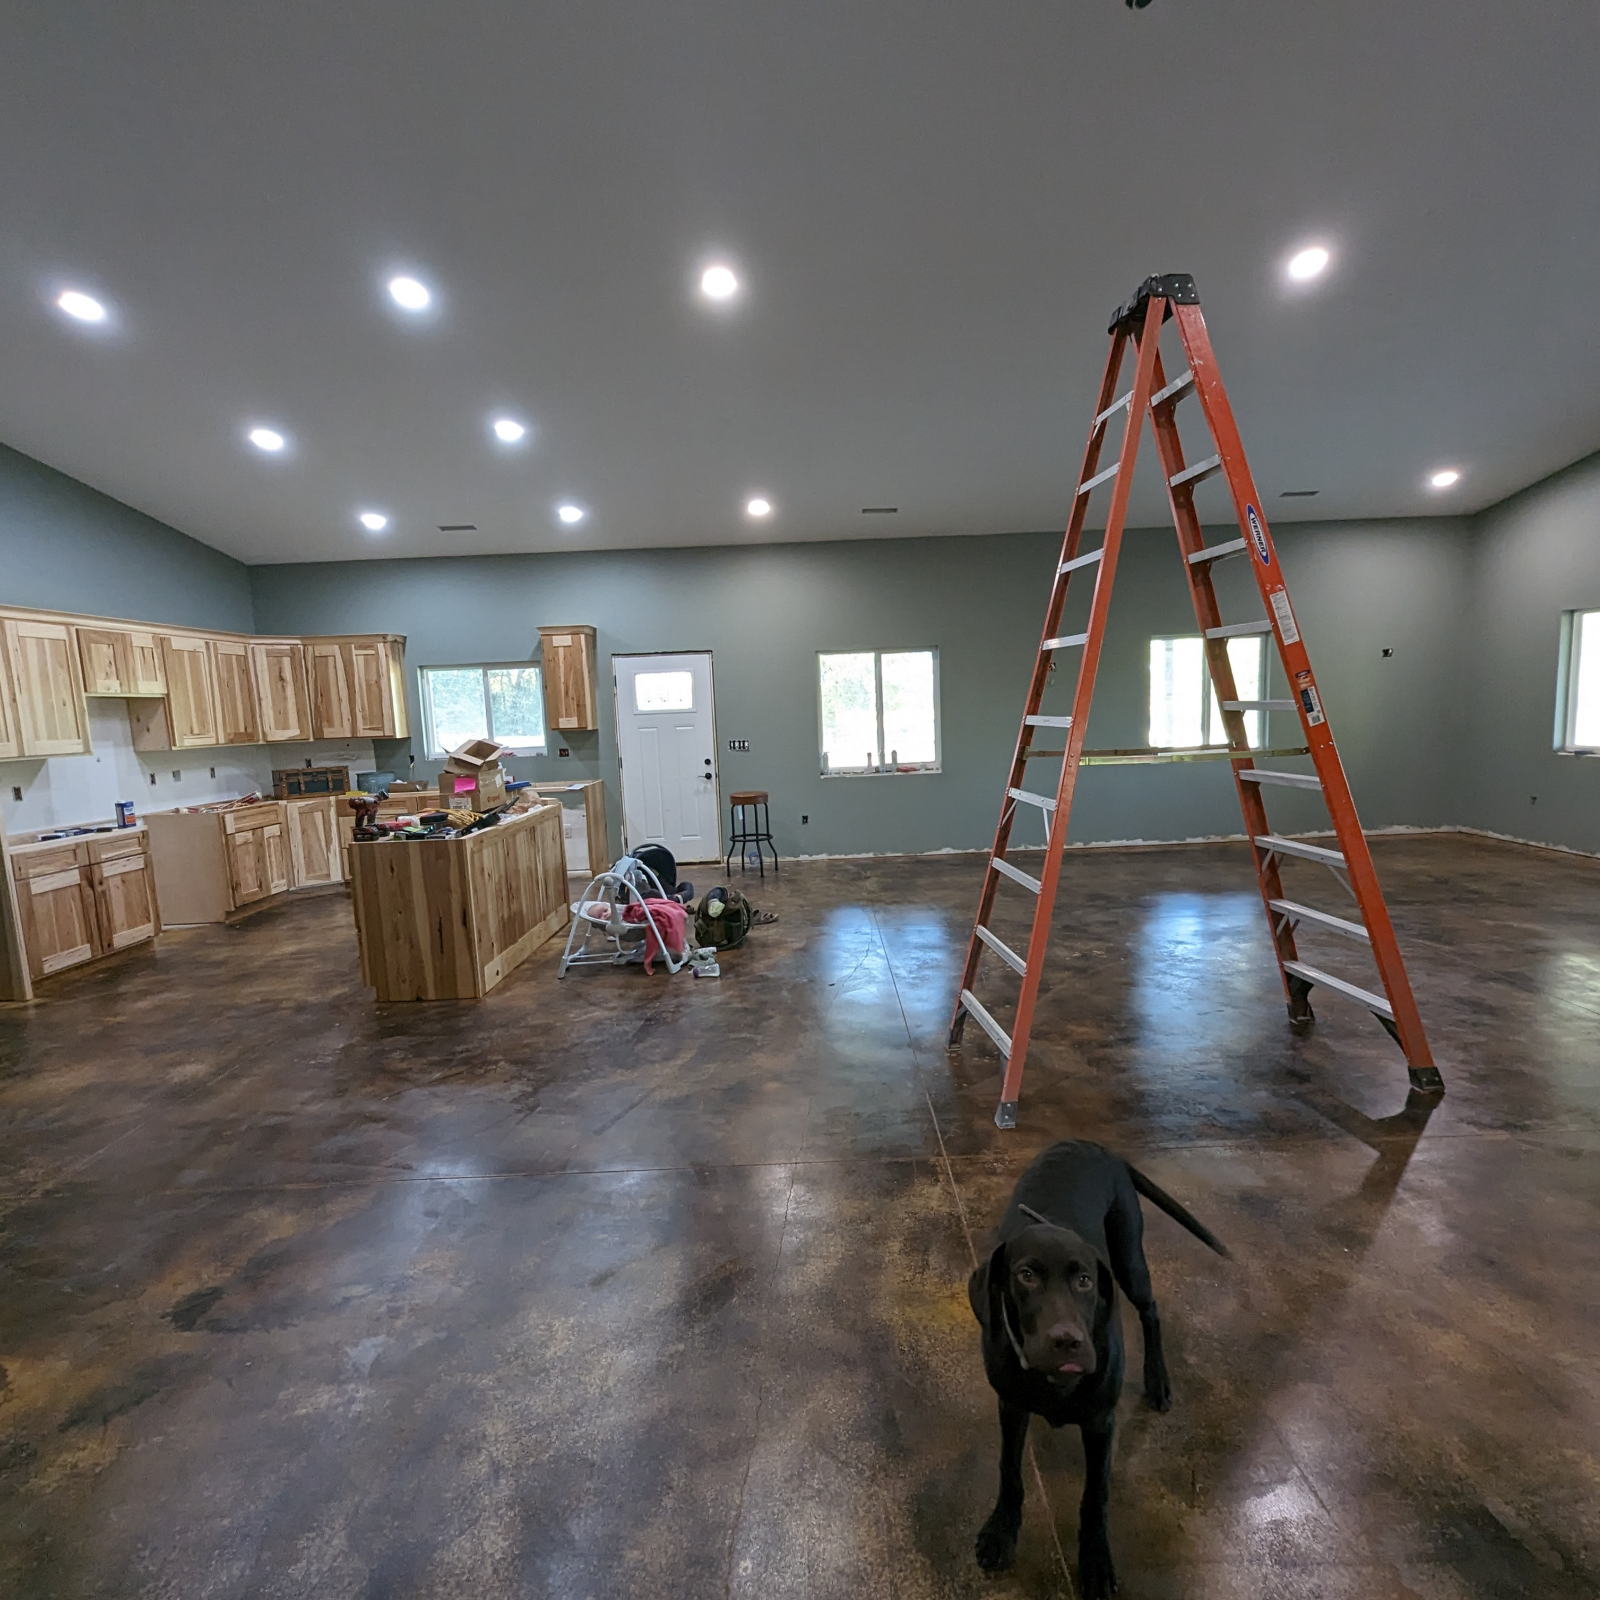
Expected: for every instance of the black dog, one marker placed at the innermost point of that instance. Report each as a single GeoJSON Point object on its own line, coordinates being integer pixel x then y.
{"type": "Point", "coordinates": [1052, 1340]}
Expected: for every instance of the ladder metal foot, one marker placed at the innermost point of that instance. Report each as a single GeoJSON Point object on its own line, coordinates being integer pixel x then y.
{"type": "Point", "coordinates": [1301, 1016]}
{"type": "Point", "coordinates": [1426, 1080]}
{"type": "Point", "coordinates": [1005, 1115]}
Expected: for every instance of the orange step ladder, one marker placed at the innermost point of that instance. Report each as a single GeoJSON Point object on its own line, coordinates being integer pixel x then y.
{"type": "Point", "coordinates": [1136, 328]}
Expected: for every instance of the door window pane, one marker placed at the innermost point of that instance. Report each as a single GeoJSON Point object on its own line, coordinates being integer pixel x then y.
{"type": "Point", "coordinates": [516, 707]}
{"type": "Point", "coordinates": [663, 691]}
{"type": "Point", "coordinates": [909, 727]}
{"type": "Point", "coordinates": [849, 711]}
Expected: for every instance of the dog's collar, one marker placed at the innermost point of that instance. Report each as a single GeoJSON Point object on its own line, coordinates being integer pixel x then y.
{"type": "Point", "coordinates": [1016, 1343]}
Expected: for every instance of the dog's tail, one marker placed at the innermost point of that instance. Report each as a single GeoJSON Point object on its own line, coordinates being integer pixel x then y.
{"type": "Point", "coordinates": [1177, 1212]}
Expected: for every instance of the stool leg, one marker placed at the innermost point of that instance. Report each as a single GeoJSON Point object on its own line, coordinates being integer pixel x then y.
{"type": "Point", "coordinates": [770, 845]}
{"type": "Point", "coordinates": [733, 839]}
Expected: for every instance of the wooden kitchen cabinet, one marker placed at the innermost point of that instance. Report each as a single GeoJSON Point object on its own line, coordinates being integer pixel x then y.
{"type": "Point", "coordinates": [258, 856]}
{"type": "Point", "coordinates": [312, 827]}
{"type": "Point", "coordinates": [47, 682]}
{"type": "Point", "coordinates": [330, 691]}
{"type": "Point", "coordinates": [282, 699]}
{"type": "Point", "coordinates": [124, 890]}
{"type": "Point", "coordinates": [120, 661]}
{"type": "Point", "coordinates": [570, 702]}
{"type": "Point", "coordinates": [10, 733]}
{"type": "Point", "coordinates": [55, 899]}
{"type": "Point", "coordinates": [191, 703]}
{"type": "Point", "coordinates": [237, 719]}
{"type": "Point", "coordinates": [209, 864]}
{"type": "Point", "coordinates": [358, 687]}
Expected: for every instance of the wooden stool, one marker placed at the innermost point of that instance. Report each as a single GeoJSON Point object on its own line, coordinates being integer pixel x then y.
{"type": "Point", "coordinates": [752, 824]}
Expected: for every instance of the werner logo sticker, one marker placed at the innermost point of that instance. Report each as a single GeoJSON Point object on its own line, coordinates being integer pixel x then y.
{"type": "Point", "coordinates": [1258, 535]}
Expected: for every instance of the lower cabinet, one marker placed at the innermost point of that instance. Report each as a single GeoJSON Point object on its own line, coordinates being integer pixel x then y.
{"type": "Point", "coordinates": [314, 854]}
{"type": "Point", "coordinates": [89, 898]}
{"type": "Point", "coordinates": [258, 857]}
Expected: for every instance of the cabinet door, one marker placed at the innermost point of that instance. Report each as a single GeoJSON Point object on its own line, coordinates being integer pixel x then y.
{"type": "Point", "coordinates": [107, 661]}
{"type": "Point", "coordinates": [237, 721]}
{"type": "Point", "coordinates": [275, 858]}
{"type": "Point", "coordinates": [372, 707]}
{"type": "Point", "coordinates": [48, 683]}
{"type": "Point", "coordinates": [191, 691]}
{"type": "Point", "coordinates": [125, 901]}
{"type": "Point", "coordinates": [145, 674]}
{"type": "Point", "coordinates": [10, 737]}
{"type": "Point", "coordinates": [568, 659]}
{"type": "Point", "coordinates": [279, 669]}
{"type": "Point", "coordinates": [58, 923]}
{"type": "Point", "coordinates": [330, 694]}
{"type": "Point", "coordinates": [313, 843]}
{"type": "Point", "coordinates": [247, 867]}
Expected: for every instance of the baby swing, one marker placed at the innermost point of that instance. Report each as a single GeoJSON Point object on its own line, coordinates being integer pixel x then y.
{"type": "Point", "coordinates": [600, 912]}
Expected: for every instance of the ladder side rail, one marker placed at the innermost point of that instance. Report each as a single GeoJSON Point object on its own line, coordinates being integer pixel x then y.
{"type": "Point", "coordinates": [1297, 668]}
{"type": "Point", "coordinates": [1147, 341]}
{"type": "Point", "coordinates": [1208, 614]}
{"type": "Point", "coordinates": [1042, 663]}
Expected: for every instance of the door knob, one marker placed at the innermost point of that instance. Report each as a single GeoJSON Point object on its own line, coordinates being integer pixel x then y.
{"type": "Point", "coordinates": [706, 776]}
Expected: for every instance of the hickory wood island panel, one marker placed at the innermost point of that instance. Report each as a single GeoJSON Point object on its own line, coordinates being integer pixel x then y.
{"type": "Point", "coordinates": [447, 919]}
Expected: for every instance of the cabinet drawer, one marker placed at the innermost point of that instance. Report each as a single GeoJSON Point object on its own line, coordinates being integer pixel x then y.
{"type": "Point", "coordinates": [249, 817]}
{"type": "Point", "coordinates": [132, 844]}
{"type": "Point", "coordinates": [47, 863]}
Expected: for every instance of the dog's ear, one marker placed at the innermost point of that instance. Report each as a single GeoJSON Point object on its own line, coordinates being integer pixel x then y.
{"type": "Point", "coordinates": [985, 1287]}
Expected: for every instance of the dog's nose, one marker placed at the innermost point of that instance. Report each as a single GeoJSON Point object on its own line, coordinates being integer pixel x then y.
{"type": "Point", "coordinates": [1065, 1341]}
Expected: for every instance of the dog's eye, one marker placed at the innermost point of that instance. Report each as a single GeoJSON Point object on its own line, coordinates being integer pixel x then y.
{"type": "Point", "coordinates": [1083, 1281]}
{"type": "Point", "coordinates": [1027, 1277]}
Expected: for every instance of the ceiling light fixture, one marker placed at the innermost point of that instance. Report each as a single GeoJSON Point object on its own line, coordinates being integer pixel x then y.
{"type": "Point", "coordinates": [719, 282]}
{"type": "Point", "coordinates": [268, 439]}
{"type": "Point", "coordinates": [758, 506]}
{"type": "Point", "coordinates": [81, 307]}
{"type": "Point", "coordinates": [508, 430]}
{"type": "Point", "coordinates": [1309, 263]}
{"type": "Point", "coordinates": [1444, 478]}
{"type": "Point", "coordinates": [409, 295]}
{"type": "Point", "coordinates": [373, 521]}
{"type": "Point", "coordinates": [569, 513]}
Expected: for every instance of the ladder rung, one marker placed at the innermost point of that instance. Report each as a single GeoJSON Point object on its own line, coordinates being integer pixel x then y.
{"type": "Point", "coordinates": [1290, 780]}
{"type": "Point", "coordinates": [1048, 722]}
{"type": "Point", "coordinates": [1085, 561]}
{"type": "Point", "coordinates": [1351, 930]}
{"type": "Point", "coordinates": [975, 1010]}
{"type": "Point", "coordinates": [1198, 473]}
{"type": "Point", "coordinates": [1218, 552]}
{"type": "Point", "coordinates": [1235, 630]}
{"type": "Point", "coordinates": [1016, 875]}
{"type": "Point", "coordinates": [1109, 412]}
{"type": "Point", "coordinates": [1004, 951]}
{"type": "Point", "coordinates": [1066, 642]}
{"type": "Point", "coordinates": [1173, 390]}
{"type": "Point", "coordinates": [1044, 802]}
{"type": "Point", "coordinates": [1258, 705]}
{"type": "Point", "coordinates": [1309, 852]}
{"type": "Point", "coordinates": [1100, 477]}
{"type": "Point", "coordinates": [1375, 1001]}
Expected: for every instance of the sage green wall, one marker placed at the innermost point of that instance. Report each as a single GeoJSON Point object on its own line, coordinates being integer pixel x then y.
{"type": "Point", "coordinates": [1538, 555]}
{"type": "Point", "coordinates": [765, 611]}
{"type": "Point", "coordinates": [67, 547]}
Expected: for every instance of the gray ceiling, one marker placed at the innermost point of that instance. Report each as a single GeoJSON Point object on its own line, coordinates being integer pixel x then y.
{"type": "Point", "coordinates": [935, 206]}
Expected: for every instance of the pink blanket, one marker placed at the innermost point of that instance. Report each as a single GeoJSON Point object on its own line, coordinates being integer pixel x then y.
{"type": "Point", "coordinates": [671, 917]}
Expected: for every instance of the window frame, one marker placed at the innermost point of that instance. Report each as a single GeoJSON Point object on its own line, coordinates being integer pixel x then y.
{"type": "Point", "coordinates": [1567, 670]}
{"type": "Point", "coordinates": [425, 700]}
{"type": "Point", "coordinates": [884, 769]}
{"type": "Point", "coordinates": [1209, 693]}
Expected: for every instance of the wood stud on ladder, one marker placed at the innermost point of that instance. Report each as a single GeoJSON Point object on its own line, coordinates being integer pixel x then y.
{"type": "Point", "coordinates": [1138, 325]}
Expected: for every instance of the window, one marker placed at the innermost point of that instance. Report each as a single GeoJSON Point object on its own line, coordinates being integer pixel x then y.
{"type": "Point", "coordinates": [1184, 711]}
{"type": "Point", "coordinates": [500, 702]}
{"type": "Point", "coordinates": [880, 711]}
{"type": "Point", "coordinates": [663, 691]}
{"type": "Point", "coordinates": [1580, 709]}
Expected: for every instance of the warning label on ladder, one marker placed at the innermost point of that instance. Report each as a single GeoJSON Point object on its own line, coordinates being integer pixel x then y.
{"type": "Point", "coordinates": [1280, 609]}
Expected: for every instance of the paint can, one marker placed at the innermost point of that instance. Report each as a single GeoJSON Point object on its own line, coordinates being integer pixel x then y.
{"type": "Point", "coordinates": [126, 817]}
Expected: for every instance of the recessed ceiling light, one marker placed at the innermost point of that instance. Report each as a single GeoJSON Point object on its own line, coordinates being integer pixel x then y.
{"type": "Point", "coordinates": [508, 430]}
{"type": "Point", "coordinates": [570, 513]}
{"type": "Point", "coordinates": [1308, 263]}
{"type": "Point", "coordinates": [409, 295]}
{"type": "Point", "coordinates": [1443, 478]}
{"type": "Point", "coordinates": [718, 282]}
{"type": "Point", "coordinates": [268, 439]}
{"type": "Point", "coordinates": [373, 521]}
{"type": "Point", "coordinates": [81, 307]}
{"type": "Point", "coordinates": [758, 506]}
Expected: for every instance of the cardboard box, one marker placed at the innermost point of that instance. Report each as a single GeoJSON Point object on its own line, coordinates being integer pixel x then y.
{"type": "Point", "coordinates": [475, 755]}
{"type": "Point", "coordinates": [483, 790]}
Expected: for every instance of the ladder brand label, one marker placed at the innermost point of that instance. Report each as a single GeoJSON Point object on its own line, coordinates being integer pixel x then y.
{"type": "Point", "coordinates": [1309, 698]}
{"type": "Point", "coordinates": [1280, 609]}
{"type": "Point", "coordinates": [1258, 535]}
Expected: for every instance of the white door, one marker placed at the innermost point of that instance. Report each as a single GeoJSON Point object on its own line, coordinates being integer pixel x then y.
{"type": "Point", "coordinates": [667, 739]}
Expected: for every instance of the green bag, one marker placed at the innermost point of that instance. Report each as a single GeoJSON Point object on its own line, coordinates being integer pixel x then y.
{"type": "Point", "coordinates": [723, 919]}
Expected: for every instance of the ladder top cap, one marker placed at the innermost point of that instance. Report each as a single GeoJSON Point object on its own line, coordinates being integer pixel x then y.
{"type": "Point", "coordinates": [1176, 288]}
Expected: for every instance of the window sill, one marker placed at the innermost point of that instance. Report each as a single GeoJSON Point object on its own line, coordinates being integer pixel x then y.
{"type": "Point", "coordinates": [1581, 754]}
{"type": "Point", "coordinates": [883, 772]}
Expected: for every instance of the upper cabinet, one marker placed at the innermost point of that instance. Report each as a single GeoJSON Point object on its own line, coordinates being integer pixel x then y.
{"type": "Point", "coordinates": [570, 704]}
{"type": "Point", "coordinates": [279, 670]}
{"type": "Point", "coordinates": [358, 688]}
{"type": "Point", "coordinates": [10, 736]}
{"type": "Point", "coordinates": [237, 719]}
{"type": "Point", "coordinates": [47, 681]}
{"type": "Point", "coordinates": [191, 691]}
{"type": "Point", "coordinates": [120, 661]}
{"type": "Point", "coordinates": [330, 691]}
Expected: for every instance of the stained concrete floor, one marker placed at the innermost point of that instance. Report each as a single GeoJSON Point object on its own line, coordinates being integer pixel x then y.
{"type": "Point", "coordinates": [648, 1287]}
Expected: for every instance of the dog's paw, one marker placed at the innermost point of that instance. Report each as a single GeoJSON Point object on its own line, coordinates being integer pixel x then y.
{"type": "Point", "coordinates": [996, 1546]}
{"type": "Point", "coordinates": [1158, 1391]}
{"type": "Point", "coordinates": [1097, 1578]}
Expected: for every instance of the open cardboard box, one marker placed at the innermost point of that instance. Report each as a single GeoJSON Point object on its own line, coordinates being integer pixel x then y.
{"type": "Point", "coordinates": [476, 754]}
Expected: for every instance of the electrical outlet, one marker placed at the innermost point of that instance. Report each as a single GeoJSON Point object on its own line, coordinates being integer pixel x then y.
{"type": "Point", "coordinates": [177, 777]}
{"type": "Point", "coordinates": [152, 779]}
{"type": "Point", "coordinates": [804, 818]}
{"type": "Point", "coordinates": [563, 753]}
{"type": "Point", "coordinates": [1387, 653]}
{"type": "Point", "coordinates": [213, 772]}
{"type": "Point", "coordinates": [16, 791]}
{"type": "Point", "coordinates": [741, 745]}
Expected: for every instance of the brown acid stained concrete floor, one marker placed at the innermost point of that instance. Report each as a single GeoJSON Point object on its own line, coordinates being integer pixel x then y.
{"type": "Point", "coordinates": [656, 1287]}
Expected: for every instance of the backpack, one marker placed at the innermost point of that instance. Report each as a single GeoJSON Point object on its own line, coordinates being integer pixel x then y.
{"type": "Point", "coordinates": [723, 919]}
